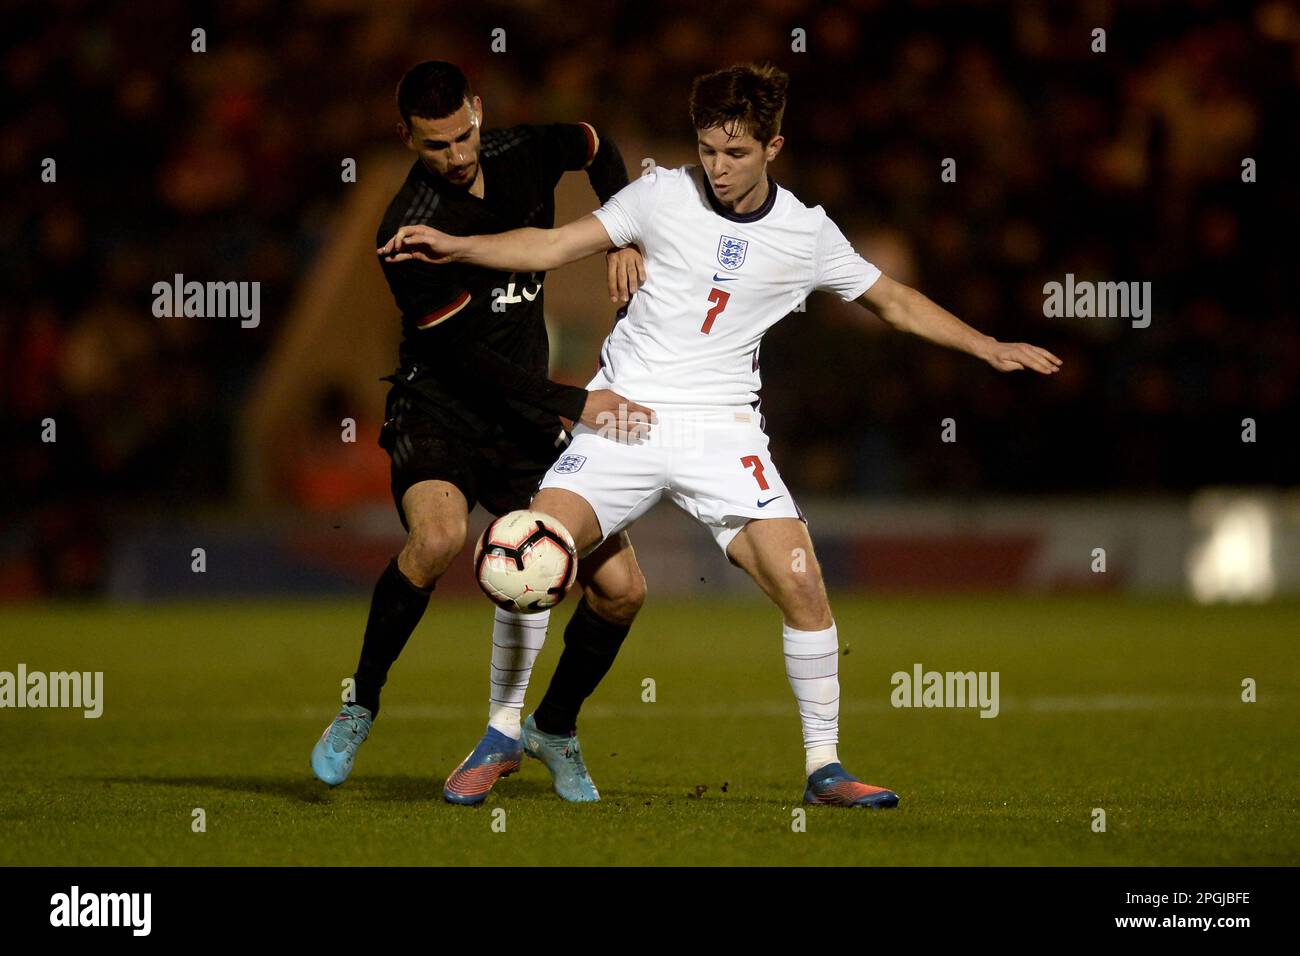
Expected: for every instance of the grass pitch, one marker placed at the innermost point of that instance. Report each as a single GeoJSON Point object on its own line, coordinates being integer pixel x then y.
{"type": "Point", "coordinates": [1131, 707]}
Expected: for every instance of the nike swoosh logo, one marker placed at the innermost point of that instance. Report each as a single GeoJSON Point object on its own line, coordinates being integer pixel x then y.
{"type": "Point", "coordinates": [718, 278]}
{"type": "Point", "coordinates": [764, 504]}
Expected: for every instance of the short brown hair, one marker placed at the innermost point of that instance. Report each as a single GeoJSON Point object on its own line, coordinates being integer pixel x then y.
{"type": "Point", "coordinates": [743, 99]}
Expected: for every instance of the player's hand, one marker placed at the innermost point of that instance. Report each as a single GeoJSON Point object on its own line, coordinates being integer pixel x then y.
{"type": "Point", "coordinates": [1013, 356]}
{"type": "Point", "coordinates": [626, 270]}
{"type": "Point", "coordinates": [420, 242]}
{"type": "Point", "coordinates": [616, 417]}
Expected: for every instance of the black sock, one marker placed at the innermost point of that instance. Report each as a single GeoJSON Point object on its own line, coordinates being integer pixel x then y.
{"type": "Point", "coordinates": [590, 645]}
{"type": "Point", "coordinates": [395, 609]}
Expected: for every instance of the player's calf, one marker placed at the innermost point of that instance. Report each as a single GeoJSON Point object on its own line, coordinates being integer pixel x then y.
{"type": "Point", "coordinates": [777, 554]}
{"type": "Point", "coordinates": [613, 592]}
{"type": "Point", "coordinates": [436, 514]}
{"type": "Point", "coordinates": [612, 582]}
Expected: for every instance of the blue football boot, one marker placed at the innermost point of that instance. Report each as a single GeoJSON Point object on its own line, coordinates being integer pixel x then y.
{"type": "Point", "coordinates": [834, 786]}
{"type": "Point", "coordinates": [496, 756]}
{"type": "Point", "coordinates": [563, 758]}
{"type": "Point", "coordinates": [333, 754]}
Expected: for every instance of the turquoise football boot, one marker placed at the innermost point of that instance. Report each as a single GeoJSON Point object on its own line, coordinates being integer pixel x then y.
{"type": "Point", "coordinates": [563, 758]}
{"type": "Point", "coordinates": [332, 757]}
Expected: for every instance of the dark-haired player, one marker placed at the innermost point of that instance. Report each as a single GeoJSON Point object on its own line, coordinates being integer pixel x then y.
{"type": "Point", "coordinates": [729, 253]}
{"type": "Point", "coordinates": [472, 417]}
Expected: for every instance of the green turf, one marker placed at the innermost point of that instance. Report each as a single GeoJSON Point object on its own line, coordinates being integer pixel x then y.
{"type": "Point", "coordinates": [1133, 707]}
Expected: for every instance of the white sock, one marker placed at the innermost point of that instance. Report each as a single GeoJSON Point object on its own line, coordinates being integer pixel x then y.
{"type": "Point", "coordinates": [517, 639]}
{"type": "Point", "coordinates": [812, 663]}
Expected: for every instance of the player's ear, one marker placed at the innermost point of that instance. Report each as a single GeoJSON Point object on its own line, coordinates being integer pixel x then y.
{"type": "Point", "coordinates": [477, 108]}
{"type": "Point", "coordinates": [774, 146]}
{"type": "Point", "coordinates": [404, 134]}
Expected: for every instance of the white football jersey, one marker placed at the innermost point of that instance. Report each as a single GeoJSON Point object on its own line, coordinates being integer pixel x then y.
{"type": "Point", "coordinates": [715, 282]}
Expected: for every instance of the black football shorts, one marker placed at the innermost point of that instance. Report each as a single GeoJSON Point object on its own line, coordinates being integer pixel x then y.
{"type": "Point", "coordinates": [495, 466]}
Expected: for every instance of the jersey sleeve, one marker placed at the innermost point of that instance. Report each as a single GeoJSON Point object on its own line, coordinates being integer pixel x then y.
{"type": "Point", "coordinates": [839, 268]}
{"type": "Point", "coordinates": [567, 147]}
{"type": "Point", "coordinates": [479, 367]}
{"type": "Point", "coordinates": [626, 216]}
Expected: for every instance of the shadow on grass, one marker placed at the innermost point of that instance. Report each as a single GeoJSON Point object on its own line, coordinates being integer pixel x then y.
{"type": "Point", "coordinates": [398, 788]}
{"type": "Point", "coordinates": [421, 790]}
{"type": "Point", "coordinates": [304, 790]}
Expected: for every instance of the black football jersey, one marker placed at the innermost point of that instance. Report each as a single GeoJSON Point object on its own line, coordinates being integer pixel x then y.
{"type": "Point", "coordinates": [473, 338]}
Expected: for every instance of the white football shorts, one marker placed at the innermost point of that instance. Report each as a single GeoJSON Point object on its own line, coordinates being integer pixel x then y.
{"type": "Point", "coordinates": [711, 461]}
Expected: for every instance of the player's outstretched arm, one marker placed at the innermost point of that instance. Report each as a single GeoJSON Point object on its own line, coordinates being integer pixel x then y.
{"type": "Point", "coordinates": [519, 250]}
{"type": "Point", "coordinates": [909, 311]}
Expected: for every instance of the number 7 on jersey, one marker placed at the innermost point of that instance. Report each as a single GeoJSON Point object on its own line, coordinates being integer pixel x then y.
{"type": "Point", "coordinates": [719, 300]}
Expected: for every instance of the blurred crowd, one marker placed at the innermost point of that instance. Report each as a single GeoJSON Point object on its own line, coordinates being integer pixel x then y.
{"type": "Point", "coordinates": [1123, 165]}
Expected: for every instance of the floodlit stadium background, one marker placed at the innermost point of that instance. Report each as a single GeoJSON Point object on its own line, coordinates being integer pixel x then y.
{"type": "Point", "coordinates": [225, 166]}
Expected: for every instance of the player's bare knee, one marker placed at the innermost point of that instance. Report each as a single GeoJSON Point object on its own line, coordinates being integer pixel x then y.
{"type": "Point", "coordinates": [809, 617]}
{"type": "Point", "coordinates": [802, 597]}
{"type": "Point", "coordinates": [428, 552]}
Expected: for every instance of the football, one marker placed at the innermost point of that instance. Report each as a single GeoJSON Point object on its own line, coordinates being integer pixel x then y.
{"type": "Point", "coordinates": [525, 561]}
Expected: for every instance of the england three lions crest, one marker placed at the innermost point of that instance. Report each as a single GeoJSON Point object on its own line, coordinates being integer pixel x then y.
{"type": "Point", "coordinates": [731, 252]}
{"type": "Point", "coordinates": [568, 464]}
